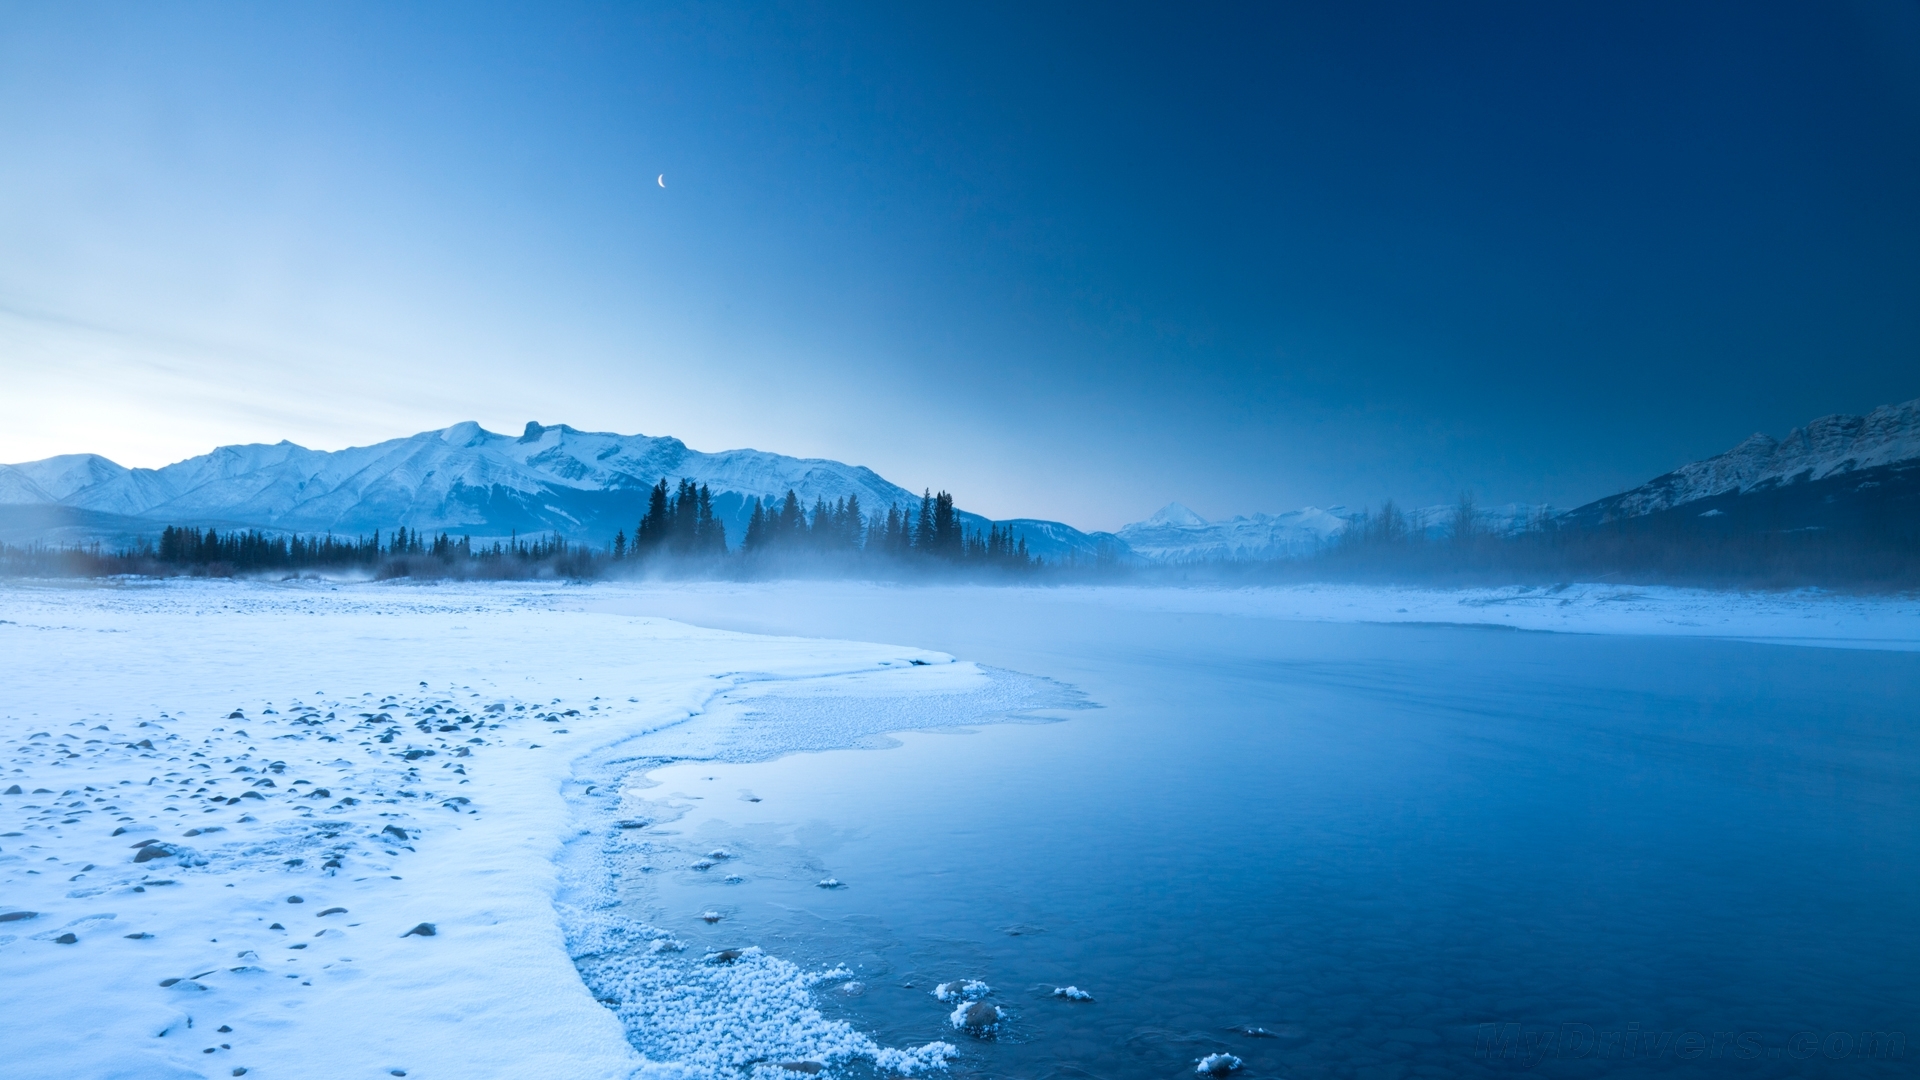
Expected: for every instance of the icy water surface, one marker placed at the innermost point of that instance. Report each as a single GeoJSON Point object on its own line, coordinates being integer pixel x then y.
{"type": "Point", "coordinates": [1336, 850]}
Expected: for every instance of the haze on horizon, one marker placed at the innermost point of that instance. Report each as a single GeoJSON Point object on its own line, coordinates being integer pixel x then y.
{"type": "Point", "coordinates": [1065, 266]}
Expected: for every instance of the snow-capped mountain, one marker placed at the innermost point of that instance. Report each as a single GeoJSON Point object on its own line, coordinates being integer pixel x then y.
{"type": "Point", "coordinates": [461, 480]}
{"type": "Point", "coordinates": [1507, 519]}
{"type": "Point", "coordinates": [1839, 454]}
{"type": "Point", "coordinates": [1176, 534]}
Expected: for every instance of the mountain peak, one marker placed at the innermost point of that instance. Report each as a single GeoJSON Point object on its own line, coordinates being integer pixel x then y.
{"type": "Point", "coordinates": [1827, 447]}
{"type": "Point", "coordinates": [1175, 514]}
{"type": "Point", "coordinates": [464, 433]}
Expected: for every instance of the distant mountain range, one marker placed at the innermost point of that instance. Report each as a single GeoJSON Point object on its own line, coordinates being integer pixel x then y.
{"type": "Point", "coordinates": [1858, 473]}
{"type": "Point", "coordinates": [1838, 472]}
{"type": "Point", "coordinates": [463, 480]}
{"type": "Point", "coordinates": [1178, 535]}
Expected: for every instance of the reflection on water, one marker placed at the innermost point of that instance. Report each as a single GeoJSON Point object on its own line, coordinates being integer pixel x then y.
{"type": "Point", "coordinates": [1339, 851]}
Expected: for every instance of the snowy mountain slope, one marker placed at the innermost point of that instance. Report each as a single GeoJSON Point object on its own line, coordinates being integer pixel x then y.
{"type": "Point", "coordinates": [58, 477]}
{"type": "Point", "coordinates": [1506, 519]}
{"type": "Point", "coordinates": [16, 487]}
{"type": "Point", "coordinates": [1829, 448]}
{"type": "Point", "coordinates": [1052, 541]}
{"type": "Point", "coordinates": [464, 480]}
{"type": "Point", "coordinates": [1176, 534]}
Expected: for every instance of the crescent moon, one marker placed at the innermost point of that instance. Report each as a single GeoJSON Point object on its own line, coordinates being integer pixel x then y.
{"type": "Point", "coordinates": [663, 179]}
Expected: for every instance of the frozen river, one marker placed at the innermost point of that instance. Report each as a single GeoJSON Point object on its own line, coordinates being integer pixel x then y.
{"type": "Point", "coordinates": [313, 830]}
{"type": "Point", "coordinates": [1335, 849]}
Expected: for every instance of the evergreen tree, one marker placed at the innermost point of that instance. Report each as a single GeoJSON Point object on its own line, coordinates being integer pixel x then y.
{"type": "Point", "coordinates": [652, 531]}
{"type": "Point", "coordinates": [852, 524]}
{"type": "Point", "coordinates": [710, 535]}
{"type": "Point", "coordinates": [793, 520]}
{"type": "Point", "coordinates": [923, 529]}
{"type": "Point", "coordinates": [686, 518]}
{"type": "Point", "coordinates": [946, 529]}
{"type": "Point", "coordinates": [756, 537]}
{"type": "Point", "coordinates": [820, 531]}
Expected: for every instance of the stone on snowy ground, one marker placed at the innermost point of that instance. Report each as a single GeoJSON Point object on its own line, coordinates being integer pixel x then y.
{"type": "Point", "coordinates": [16, 916]}
{"type": "Point", "coordinates": [962, 989]}
{"type": "Point", "coordinates": [425, 929]}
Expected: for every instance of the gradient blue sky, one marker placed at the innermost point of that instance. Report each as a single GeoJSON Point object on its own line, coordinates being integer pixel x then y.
{"type": "Point", "coordinates": [1069, 263]}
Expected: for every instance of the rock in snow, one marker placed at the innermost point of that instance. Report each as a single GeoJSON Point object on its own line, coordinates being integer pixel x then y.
{"type": "Point", "coordinates": [1217, 1065]}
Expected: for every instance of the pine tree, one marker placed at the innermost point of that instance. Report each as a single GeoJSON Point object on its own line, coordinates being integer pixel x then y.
{"type": "Point", "coordinates": [923, 530]}
{"type": "Point", "coordinates": [756, 537]}
{"type": "Point", "coordinates": [686, 517]}
{"type": "Point", "coordinates": [852, 524]}
{"type": "Point", "coordinates": [653, 528]}
{"type": "Point", "coordinates": [946, 530]}
{"type": "Point", "coordinates": [793, 520]}
{"type": "Point", "coordinates": [710, 536]}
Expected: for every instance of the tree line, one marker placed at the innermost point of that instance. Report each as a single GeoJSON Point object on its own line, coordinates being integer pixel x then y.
{"type": "Point", "coordinates": [682, 524]}
{"type": "Point", "coordinates": [679, 525]}
{"type": "Point", "coordinates": [676, 523]}
{"type": "Point", "coordinates": [250, 550]}
{"type": "Point", "coordinates": [1679, 546]}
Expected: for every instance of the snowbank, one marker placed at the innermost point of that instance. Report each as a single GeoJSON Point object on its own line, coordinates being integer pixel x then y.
{"type": "Point", "coordinates": [329, 773]}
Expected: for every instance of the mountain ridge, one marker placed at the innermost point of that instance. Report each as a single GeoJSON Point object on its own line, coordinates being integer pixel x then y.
{"type": "Point", "coordinates": [461, 479]}
{"type": "Point", "coordinates": [1826, 448]}
{"type": "Point", "coordinates": [1836, 472]}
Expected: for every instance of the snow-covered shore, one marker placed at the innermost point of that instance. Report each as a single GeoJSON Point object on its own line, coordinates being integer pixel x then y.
{"type": "Point", "coordinates": [1800, 617]}
{"type": "Point", "coordinates": [323, 771]}
{"type": "Point", "coordinates": [460, 757]}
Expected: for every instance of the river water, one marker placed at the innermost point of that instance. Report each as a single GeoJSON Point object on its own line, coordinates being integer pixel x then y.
{"type": "Point", "coordinates": [1336, 850]}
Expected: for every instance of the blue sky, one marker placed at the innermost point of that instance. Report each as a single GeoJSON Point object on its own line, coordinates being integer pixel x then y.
{"type": "Point", "coordinates": [1069, 263]}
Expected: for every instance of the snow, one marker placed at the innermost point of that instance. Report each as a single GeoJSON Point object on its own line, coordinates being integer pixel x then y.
{"type": "Point", "coordinates": [427, 480]}
{"type": "Point", "coordinates": [1175, 514]}
{"type": "Point", "coordinates": [1176, 534]}
{"type": "Point", "coordinates": [1830, 446]}
{"type": "Point", "coordinates": [243, 729]}
{"type": "Point", "coordinates": [1217, 1065]}
{"type": "Point", "coordinates": [463, 479]}
{"type": "Point", "coordinates": [962, 990]}
{"type": "Point", "coordinates": [1799, 617]}
{"type": "Point", "coordinates": [17, 488]}
{"type": "Point", "coordinates": [274, 699]}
